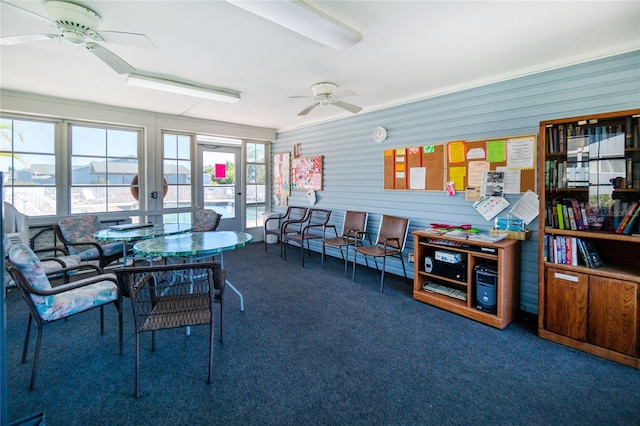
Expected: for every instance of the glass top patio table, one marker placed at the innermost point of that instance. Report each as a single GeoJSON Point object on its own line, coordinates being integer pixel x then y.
{"type": "Point", "coordinates": [195, 244]}
{"type": "Point", "coordinates": [132, 235]}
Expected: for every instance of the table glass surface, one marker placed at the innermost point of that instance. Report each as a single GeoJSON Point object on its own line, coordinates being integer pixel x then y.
{"type": "Point", "coordinates": [136, 234]}
{"type": "Point", "coordinates": [193, 243]}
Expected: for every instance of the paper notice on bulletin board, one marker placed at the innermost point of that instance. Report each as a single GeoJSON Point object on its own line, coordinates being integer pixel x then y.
{"type": "Point", "coordinates": [456, 175]}
{"type": "Point", "coordinates": [521, 153]}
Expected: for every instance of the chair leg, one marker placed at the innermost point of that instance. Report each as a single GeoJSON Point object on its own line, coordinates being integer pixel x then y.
{"type": "Point", "coordinates": [102, 319]}
{"type": "Point", "coordinates": [221, 309]}
{"type": "Point", "coordinates": [36, 357]}
{"type": "Point", "coordinates": [137, 369]}
{"type": "Point", "coordinates": [119, 308]}
{"type": "Point", "coordinates": [346, 259]}
{"type": "Point", "coordinates": [25, 347]}
{"type": "Point", "coordinates": [211, 333]}
{"type": "Point", "coordinates": [384, 266]}
{"type": "Point", "coordinates": [302, 250]}
{"type": "Point", "coordinates": [353, 274]}
{"type": "Point", "coordinates": [404, 271]}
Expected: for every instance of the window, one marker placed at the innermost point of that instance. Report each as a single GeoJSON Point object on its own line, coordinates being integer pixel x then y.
{"type": "Point", "coordinates": [177, 172]}
{"type": "Point", "coordinates": [27, 158]}
{"type": "Point", "coordinates": [104, 161]}
{"type": "Point", "coordinates": [256, 183]}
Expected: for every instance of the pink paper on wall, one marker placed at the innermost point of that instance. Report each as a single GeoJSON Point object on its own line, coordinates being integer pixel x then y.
{"type": "Point", "coordinates": [221, 171]}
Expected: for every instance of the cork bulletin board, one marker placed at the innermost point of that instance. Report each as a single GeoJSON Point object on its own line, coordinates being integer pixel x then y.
{"type": "Point", "coordinates": [517, 155]}
{"type": "Point", "coordinates": [415, 168]}
{"type": "Point", "coordinates": [430, 167]}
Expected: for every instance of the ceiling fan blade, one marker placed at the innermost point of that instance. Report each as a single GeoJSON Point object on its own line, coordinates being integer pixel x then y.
{"type": "Point", "coordinates": [12, 40]}
{"type": "Point", "coordinates": [300, 97]}
{"type": "Point", "coordinates": [349, 107]}
{"type": "Point", "coordinates": [129, 39]}
{"type": "Point", "coordinates": [108, 57]}
{"type": "Point", "coordinates": [32, 14]}
{"type": "Point", "coordinates": [309, 108]}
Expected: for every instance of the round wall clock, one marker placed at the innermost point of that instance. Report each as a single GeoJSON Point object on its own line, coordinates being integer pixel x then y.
{"type": "Point", "coordinates": [379, 134]}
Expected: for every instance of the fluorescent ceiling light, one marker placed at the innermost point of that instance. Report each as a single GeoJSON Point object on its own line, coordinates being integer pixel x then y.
{"type": "Point", "coordinates": [182, 88]}
{"type": "Point", "coordinates": [300, 17]}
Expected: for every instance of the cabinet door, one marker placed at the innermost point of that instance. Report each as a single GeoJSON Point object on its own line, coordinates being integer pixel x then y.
{"type": "Point", "coordinates": [613, 314]}
{"type": "Point", "coordinates": [566, 303]}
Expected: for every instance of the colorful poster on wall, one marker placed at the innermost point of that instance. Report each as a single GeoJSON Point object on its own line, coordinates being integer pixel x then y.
{"type": "Point", "coordinates": [281, 178]}
{"type": "Point", "coordinates": [306, 173]}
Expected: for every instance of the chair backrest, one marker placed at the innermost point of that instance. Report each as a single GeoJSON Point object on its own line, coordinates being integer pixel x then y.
{"type": "Point", "coordinates": [295, 219]}
{"type": "Point", "coordinates": [28, 273]}
{"type": "Point", "coordinates": [393, 227]}
{"type": "Point", "coordinates": [296, 213]}
{"type": "Point", "coordinates": [354, 221]}
{"type": "Point", "coordinates": [205, 220]}
{"type": "Point", "coordinates": [176, 284]}
{"type": "Point", "coordinates": [318, 217]}
{"type": "Point", "coordinates": [15, 223]}
{"type": "Point", "coordinates": [78, 229]}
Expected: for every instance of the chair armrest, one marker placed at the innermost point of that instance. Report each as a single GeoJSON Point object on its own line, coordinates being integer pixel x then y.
{"type": "Point", "coordinates": [392, 239]}
{"type": "Point", "coordinates": [70, 286]}
{"type": "Point", "coordinates": [278, 218]}
{"type": "Point", "coordinates": [53, 249]}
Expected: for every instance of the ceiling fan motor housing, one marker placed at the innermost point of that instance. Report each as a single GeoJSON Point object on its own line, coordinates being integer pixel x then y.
{"type": "Point", "coordinates": [323, 92]}
{"type": "Point", "coordinates": [76, 22]}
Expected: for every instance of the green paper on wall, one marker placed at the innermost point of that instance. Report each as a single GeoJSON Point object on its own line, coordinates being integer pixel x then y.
{"type": "Point", "coordinates": [495, 151]}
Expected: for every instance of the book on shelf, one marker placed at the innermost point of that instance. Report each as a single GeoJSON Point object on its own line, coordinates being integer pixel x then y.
{"type": "Point", "coordinates": [628, 214]}
{"type": "Point", "coordinates": [571, 216]}
{"type": "Point", "coordinates": [583, 252]}
{"type": "Point", "coordinates": [560, 216]}
{"type": "Point", "coordinates": [632, 221]}
{"type": "Point", "coordinates": [592, 258]}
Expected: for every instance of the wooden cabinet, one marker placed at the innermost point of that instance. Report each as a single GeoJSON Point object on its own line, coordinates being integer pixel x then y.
{"type": "Point", "coordinates": [592, 169]}
{"type": "Point", "coordinates": [454, 286]}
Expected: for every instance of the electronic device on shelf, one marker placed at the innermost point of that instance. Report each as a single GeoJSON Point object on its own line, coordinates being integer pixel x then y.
{"type": "Point", "coordinates": [486, 280]}
{"type": "Point", "coordinates": [444, 290]}
{"type": "Point", "coordinates": [445, 242]}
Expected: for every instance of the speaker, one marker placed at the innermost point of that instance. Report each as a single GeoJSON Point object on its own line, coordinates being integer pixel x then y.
{"type": "Point", "coordinates": [428, 264]}
{"type": "Point", "coordinates": [486, 283]}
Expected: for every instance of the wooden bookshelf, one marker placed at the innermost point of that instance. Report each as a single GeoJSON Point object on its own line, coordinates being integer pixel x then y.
{"type": "Point", "coordinates": [592, 162]}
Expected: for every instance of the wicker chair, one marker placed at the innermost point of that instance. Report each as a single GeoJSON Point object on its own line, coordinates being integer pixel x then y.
{"type": "Point", "coordinates": [352, 234]}
{"type": "Point", "coordinates": [76, 233]}
{"type": "Point", "coordinates": [292, 219]}
{"type": "Point", "coordinates": [314, 227]}
{"type": "Point", "coordinates": [48, 304]}
{"type": "Point", "coordinates": [171, 296]}
{"type": "Point", "coordinates": [391, 239]}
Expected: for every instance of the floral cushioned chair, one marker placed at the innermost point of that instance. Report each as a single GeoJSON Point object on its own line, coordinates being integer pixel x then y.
{"type": "Point", "coordinates": [51, 265]}
{"type": "Point", "coordinates": [76, 233]}
{"type": "Point", "coordinates": [205, 220]}
{"type": "Point", "coordinates": [48, 304]}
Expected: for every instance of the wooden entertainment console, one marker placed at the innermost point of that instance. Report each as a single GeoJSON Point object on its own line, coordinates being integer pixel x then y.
{"type": "Point", "coordinates": [455, 284]}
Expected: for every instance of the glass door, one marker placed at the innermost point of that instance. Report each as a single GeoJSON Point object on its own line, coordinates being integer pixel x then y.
{"type": "Point", "coordinates": [220, 168]}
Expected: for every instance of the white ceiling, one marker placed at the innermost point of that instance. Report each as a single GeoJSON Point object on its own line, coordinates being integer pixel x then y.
{"type": "Point", "coordinates": [410, 50]}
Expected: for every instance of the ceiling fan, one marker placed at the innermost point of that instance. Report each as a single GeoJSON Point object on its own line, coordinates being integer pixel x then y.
{"type": "Point", "coordinates": [77, 25]}
{"type": "Point", "coordinates": [325, 94]}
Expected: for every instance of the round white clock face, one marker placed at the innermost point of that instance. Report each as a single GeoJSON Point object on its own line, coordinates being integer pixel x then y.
{"type": "Point", "coordinates": [379, 134]}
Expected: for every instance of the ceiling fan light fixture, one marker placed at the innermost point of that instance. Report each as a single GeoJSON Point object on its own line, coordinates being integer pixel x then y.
{"type": "Point", "coordinates": [303, 19]}
{"type": "Point", "coordinates": [182, 88]}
